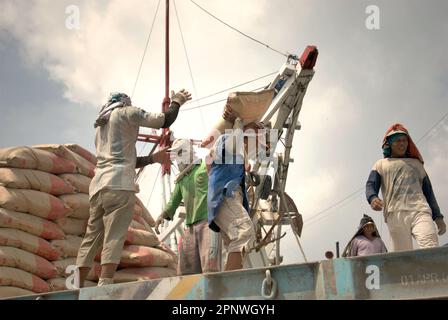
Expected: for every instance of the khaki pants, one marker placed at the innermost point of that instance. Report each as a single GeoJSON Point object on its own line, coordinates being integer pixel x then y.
{"type": "Point", "coordinates": [237, 229]}
{"type": "Point", "coordinates": [403, 225]}
{"type": "Point", "coordinates": [199, 250]}
{"type": "Point", "coordinates": [111, 213]}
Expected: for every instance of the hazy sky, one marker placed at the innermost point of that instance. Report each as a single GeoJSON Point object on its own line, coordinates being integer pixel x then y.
{"type": "Point", "coordinates": [53, 79]}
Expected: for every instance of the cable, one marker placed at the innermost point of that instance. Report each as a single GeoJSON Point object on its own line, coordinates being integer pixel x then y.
{"type": "Point", "coordinates": [242, 33]}
{"type": "Point", "coordinates": [188, 60]}
{"type": "Point", "coordinates": [203, 105]}
{"type": "Point", "coordinates": [360, 189]}
{"type": "Point", "coordinates": [334, 205]}
{"type": "Point", "coordinates": [438, 122]}
{"type": "Point", "coordinates": [153, 187]}
{"type": "Point", "coordinates": [236, 86]}
{"type": "Point", "coordinates": [141, 64]}
{"type": "Point", "coordinates": [214, 102]}
{"type": "Point", "coordinates": [146, 48]}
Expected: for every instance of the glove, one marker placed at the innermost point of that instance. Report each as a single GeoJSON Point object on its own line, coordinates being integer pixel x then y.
{"type": "Point", "coordinates": [181, 97]}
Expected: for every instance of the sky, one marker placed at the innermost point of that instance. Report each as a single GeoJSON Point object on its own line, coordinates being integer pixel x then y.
{"type": "Point", "coordinates": [54, 77]}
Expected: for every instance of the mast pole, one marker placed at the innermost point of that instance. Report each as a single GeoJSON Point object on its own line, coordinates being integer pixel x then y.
{"type": "Point", "coordinates": [165, 141]}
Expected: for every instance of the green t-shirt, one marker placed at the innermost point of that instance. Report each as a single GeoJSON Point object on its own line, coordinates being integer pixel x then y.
{"type": "Point", "coordinates": [193, 190]}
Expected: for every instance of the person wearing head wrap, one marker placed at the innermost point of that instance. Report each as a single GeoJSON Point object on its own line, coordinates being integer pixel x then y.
{"type": "Point", "coordinates": [409, 204]}
{"type": "Point", "coordinates": [112, 189]}
{"type": "Point", "coordinates": [199, 247]}
{"type": "Point", "coordinates": [366, 240]}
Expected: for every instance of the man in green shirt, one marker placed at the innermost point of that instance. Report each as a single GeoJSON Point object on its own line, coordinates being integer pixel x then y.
{"type": "Point", "coordinates": [199, 249]}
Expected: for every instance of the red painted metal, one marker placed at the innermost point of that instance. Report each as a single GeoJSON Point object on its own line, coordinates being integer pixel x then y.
{"type": "Point", "coordinates": [165, 141]}
{"type": "Point", "coordinates": [151, 138]}
{"type": "Point", "coordinates": [309, 57]}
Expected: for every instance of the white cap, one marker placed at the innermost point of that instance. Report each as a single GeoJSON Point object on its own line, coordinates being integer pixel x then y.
{"type": "Point", "coordinates": [393, 132]}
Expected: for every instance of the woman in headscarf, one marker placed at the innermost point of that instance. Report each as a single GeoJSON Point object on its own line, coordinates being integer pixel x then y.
{"type": "Point", "coordinates": [366, 240]}
{"type": "Point", "coordinates": [409, 204]}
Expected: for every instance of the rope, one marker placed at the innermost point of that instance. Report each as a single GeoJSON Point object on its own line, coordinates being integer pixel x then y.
{"type": "Point", "coordinates": [214, 102]}
{"type": "Point", "coordinates": [240, 32]}
{"type": "Point", "coordinates": [146, 48]}
{"type": "Point", "coordinates": [188, 60]}
{"type": "Point", "coordinates": [153, 186]}
{"type": "Point", "coordinates": [354, 193]}
{"type": "Point", "coordinates": [236, 86]}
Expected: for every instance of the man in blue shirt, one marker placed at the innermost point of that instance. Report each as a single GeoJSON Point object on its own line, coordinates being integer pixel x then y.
{"type": "Point", "coordinates": [228, 205]}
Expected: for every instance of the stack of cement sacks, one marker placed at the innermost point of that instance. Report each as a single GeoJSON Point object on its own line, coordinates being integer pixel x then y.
{"type": "Point", "coordinates": [44, 209]}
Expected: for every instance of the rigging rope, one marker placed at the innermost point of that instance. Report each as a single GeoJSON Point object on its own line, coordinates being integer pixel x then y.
{"type": "Point", "coordinates": [188, 60]}
{"type": "Point", "coordinates": [240, 32]}
{"type": "Point", "coordinates": [356, 192]}
{"type": "Point", "coordinates": [430, 129]}
{"type": "Point", "coordinates": [214, 102]}
{"type": "Point", "coordinates": [154, 185]}
{"type": "Point", "coordinates": [141, 65]}
{"type": "Point", "coordinates": [236, 86]}
{"type": "Point", "coordinates": [146, 48]}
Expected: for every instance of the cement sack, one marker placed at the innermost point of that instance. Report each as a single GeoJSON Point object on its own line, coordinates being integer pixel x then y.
{"type": "Point", "coordinates": [141, 221]}
{"type": "Point", "coordinates": [164, 247]}
{"type": "Point", "coordinates": [138, 210]}
{"type": "Point", "coordinates": [82, 152]}
{"type": "Point", "coordinates": [79, 204]}
{"type": "Point", "coordinates": [141, 237]}
{"type": "Point", "coordinates": [80, 214]}
{"type": "Point", "coordinates": [142, 274]}
{"type": "Point", "coordinates": [29, 158]}
{"type": "Point", "coordinates": [21, 279]}
{"type": "Point", "coordinates": [59, 284]}
{"type": "Point", "coordinates": [17, 258]}
{"type": "Point", "coordinates": [31, 224]}
{"type": "Point", "coordinates": [85, 167]}
{"type": "Point", "coordinates": [34, 202]}
{"type": "Point", "coordinates": [61, 266]}
{"type": "Point", "coordinates": [249, 106]}
{"type": "Point", "coordinates": [78, 181]}
{"type": "Point", "coordinates": [144, 212]}
{"type": "Point", "coordinates": [28, 242]}
{"type": "Point", "coordinates": [137, 225]}
{"type": "Point", "coordinates": [71, 226]}
{"type": "Point", "coordinates": [139, 218]}
{"type": "Point", "coordinates": [140, 256]}
{"type": "Point", "coordinates": [35, 180]}
{"type": "Point", "coordinates": [9, 292]}
{"type": "Point", "coordinates": [69, 247]}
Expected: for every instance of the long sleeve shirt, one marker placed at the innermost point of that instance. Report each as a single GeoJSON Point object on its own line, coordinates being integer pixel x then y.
{"type": "Point", "coordinates": [362, 246]}
{"type": "Point", "coordinates": [115, 148]}
{"type": "Point", "coordinates": [192, 189]}
{"type": "Point", "coordinates": [404, 185]}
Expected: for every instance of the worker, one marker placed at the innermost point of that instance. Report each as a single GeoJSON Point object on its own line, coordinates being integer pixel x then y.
{"type": "Point", "coordinates": [112, 189]}
{"type": "Point", "coordinates": [366, 240]}
{"type": "Point", "coordinates": [228, 207]}
{"type": "Point", "coordinates": [409, 204]}
{"type": "Point", "coordinates": [199, 248]}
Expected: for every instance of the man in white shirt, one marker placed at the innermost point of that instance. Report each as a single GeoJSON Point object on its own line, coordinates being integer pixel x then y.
{"type": "Point", "coordinates": [112, 190]}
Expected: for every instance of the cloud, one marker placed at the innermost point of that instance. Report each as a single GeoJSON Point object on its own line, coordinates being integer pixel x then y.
{"type": "Point", "coordinates": [365, 80]}
{"type": "Point", "coordinates": [106, 51]}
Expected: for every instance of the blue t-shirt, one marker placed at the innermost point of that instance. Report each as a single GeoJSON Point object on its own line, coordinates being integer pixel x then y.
{"type": "Point", "coordinates": [226, 175]}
